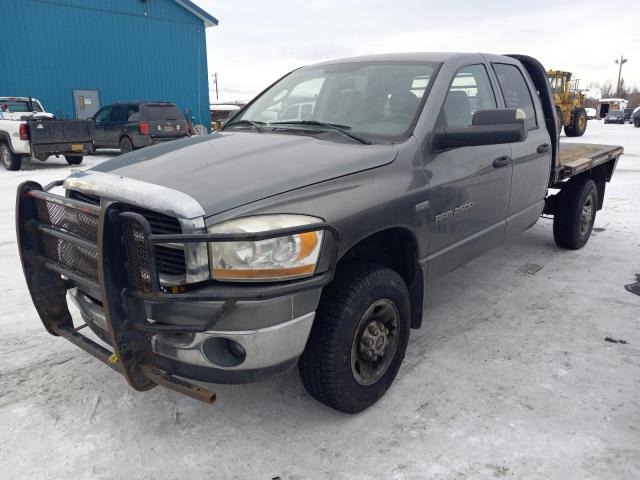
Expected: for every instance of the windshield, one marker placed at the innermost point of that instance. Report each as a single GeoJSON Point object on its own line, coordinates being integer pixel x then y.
{"type": "Point", "coordinates": [370, 99]}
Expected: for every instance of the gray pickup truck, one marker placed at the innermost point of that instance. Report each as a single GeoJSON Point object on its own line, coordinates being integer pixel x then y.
{"type": "Point", "coordinates": [306, 235]}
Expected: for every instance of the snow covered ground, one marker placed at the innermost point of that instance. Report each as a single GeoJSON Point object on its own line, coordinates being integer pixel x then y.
{"type": "Point", "coordinates": [510, 377]}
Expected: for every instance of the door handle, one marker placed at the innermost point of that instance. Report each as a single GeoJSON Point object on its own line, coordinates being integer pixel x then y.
{"type": "Point", "coordinates": [544, 148]}
{"type": "Point", "coordinates": [503, 161]}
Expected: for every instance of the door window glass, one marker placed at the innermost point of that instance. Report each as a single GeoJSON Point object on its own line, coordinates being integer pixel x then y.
{"type": "Point", "coordinates": [103, 115]}
{"type": "Point", "coordinates": [470, 91]}
{"type": "Point", "coordinates": [116, 114]}
{"type": "Point", "coordinates": [515, 91]}
{"type": "Point", "coordinates": [133, 113]}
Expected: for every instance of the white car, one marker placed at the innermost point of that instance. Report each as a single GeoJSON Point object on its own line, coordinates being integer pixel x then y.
{"type": "Point", "coordinates": [591, 113]}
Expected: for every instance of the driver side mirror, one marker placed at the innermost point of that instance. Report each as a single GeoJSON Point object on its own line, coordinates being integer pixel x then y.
{"type": "Point", "coordinates": [488, 127]}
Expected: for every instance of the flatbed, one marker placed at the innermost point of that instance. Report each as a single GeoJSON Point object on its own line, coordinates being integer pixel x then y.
{"type": "Point", "coordinates": [576, 158]}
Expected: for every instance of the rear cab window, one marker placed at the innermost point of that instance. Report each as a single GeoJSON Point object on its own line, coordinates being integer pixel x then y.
{"type": "Point", "coordinates": [19, 106]}
{"type": "Point", "coordinates": [160, 112]}
{"type": "Point", "coordinates": [515, 91]}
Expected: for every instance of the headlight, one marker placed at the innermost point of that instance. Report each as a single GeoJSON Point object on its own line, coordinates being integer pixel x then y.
{"type": "Point", "coordinates": [280, 258]}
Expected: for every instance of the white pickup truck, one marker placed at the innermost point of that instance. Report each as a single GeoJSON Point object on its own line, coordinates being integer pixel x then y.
{"type": "Point", "coordinates": [27, 131]}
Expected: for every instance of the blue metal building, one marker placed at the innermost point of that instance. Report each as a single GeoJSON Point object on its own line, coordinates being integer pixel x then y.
{"type": "Point", "coordinates": [77, 55]}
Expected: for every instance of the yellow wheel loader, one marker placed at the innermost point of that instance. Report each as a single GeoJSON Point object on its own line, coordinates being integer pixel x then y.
{"type": "Point", "coordinates": [568, 100]}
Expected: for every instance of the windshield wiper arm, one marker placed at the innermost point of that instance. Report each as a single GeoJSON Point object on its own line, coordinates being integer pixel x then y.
{"type": "Point", "coordinates": [244, 121]}
{"type": "Point", "coordinates": [334, 126]}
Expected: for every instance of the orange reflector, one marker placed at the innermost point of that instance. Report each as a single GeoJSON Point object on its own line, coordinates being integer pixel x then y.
{"type": "Point", "coordinates": [308, 242]}
{"type": "Point", "coordinates": [221, 273]}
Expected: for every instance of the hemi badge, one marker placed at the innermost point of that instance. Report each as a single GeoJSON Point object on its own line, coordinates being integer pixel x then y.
{"type": "Point", "coordinates": [422, 206]}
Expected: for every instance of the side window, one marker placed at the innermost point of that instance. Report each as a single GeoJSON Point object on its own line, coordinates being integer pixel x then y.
{"type": "Point", "coordinates": [103, 115]}
{"type": "Point", "coordinates": [470, 90]}
{"type": "Point", "coordinates": [515, 91]}
{"type": "Point", "coordinates": [118, 114]}
{"type": "Point", "coordinates": [133, 113]}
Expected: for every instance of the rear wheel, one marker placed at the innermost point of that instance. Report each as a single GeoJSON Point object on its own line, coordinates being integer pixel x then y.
{"type": "Point", "coordinates": [73, 159]}
{"type": "Point", "coordinates": [636, 122]}
{"type": "Point", "coordinates": [579, 124]}
{"type": "Point", "coordinates": [125, 145]}
{"type": "Point", "coordinates": [358, 339]}
{"type": "Point", "coordinates": [576, 213]}
{"type": "Point", "coordinates": [10, 160]}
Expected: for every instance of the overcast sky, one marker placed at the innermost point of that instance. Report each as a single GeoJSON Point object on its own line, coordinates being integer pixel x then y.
{"type": "Point", "coordinates": [257, 42]}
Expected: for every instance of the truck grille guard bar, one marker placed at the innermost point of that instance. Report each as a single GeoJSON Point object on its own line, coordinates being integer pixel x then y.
{"type": "Point", "coordinates": [65, 243]}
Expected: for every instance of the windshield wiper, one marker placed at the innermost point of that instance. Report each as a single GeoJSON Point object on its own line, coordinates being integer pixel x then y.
{"type": "Point", "coordinates": [334, 126]}
{"type": "Point", "coordinates": [244, 121]}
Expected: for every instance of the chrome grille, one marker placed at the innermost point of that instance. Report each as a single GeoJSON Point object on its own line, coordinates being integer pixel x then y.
{"type": "Point", "coordinates": [84, 224]}
{"type": "Point", "coordinates": [170, 260]}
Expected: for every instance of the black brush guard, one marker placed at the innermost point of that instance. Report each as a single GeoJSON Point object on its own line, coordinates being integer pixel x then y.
{"type": "Point", "coordinates": [110, 252]}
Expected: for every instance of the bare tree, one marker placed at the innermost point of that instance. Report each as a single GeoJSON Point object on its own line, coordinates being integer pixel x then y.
{"type": "Point", "coordinates": [607, 90]}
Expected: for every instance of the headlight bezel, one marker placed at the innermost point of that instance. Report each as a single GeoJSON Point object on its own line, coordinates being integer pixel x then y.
{"type": "Point", "coordinates": [263, 233]}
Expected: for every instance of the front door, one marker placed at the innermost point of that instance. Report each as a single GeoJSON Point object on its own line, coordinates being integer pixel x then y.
{"type": "Point", "coordinates": [113, 130]}
{"type": "Point", "coordinates": [470, 186]}
{"type": "Point", "coordinates": [87, 103]}
{"type": "Point", "coordinates": [100, 122]}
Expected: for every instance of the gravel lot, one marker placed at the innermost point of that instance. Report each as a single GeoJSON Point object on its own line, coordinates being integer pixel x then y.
{"type": "Point", "coordinates": [510, 377]}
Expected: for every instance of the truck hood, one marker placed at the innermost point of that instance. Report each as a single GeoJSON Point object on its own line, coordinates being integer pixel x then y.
{"type": "Point", "coordinates": [230, 169]}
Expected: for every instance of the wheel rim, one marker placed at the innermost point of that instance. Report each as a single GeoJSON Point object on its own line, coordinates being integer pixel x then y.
{"type": "Point", "coordinates": [582, 122]}
{"type": "Point", "coordinates": [587, 216]}
{"type": "Point", "coordinates": [5, 157]}
{"type": "Point", "coordinates": [375, 342]}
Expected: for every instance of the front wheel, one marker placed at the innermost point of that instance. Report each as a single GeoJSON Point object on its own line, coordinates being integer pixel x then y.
{"type": "Point", "coordinates": [578, 125]}
{"type": "Point", "coordinates": [359, 338]}
{"type": "Point", "coordinates": [636, 122]}
{"type": "Point", "coordinates": [576, 213]}
{"type": "Point", "coordinates": [10, 160]}
{"type": "Point", "coordinates": [73, 159]}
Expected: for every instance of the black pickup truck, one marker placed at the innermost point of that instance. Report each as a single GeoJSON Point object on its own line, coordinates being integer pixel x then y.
{"type": "Point", "coordinates": [306, 241]}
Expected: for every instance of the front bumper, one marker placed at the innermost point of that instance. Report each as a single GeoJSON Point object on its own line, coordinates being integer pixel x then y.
{"type": "Point", "coordinates": [104, 257]}
{"type": "Point", "coordinates": [272, 334]}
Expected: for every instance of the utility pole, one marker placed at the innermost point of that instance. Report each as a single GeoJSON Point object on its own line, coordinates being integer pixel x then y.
{"type": "Point", "coordinates": [215, 82]}
{"type": "Point", "coordinates": [620, 61]}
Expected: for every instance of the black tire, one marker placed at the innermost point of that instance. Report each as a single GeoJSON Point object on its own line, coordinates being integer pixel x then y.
{"type": "Point", "coordinates": [636, 122]}
{"type": "Point", "coordinates": [572, 222]}
{"type": "Point", "coordinates": [126, 145]}
{"type": "Point", "coordinates": [327, 366]}
{"type": "Point", "coordinates": [579, 124]}
{"type": "Point", "coordinates": [10, 160]}
{"type": "Point", "coordinates": [559, 120]}
{"type": "Point", "coordinates": [73, 159]}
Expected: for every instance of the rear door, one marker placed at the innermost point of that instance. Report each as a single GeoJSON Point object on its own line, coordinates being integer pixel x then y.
{"type": "Point", "coordinates": [470, 186]}
{"type": "Point", "coordinates": [164, 119]}
{"type": "Point", "coordinates": [531, 158]}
